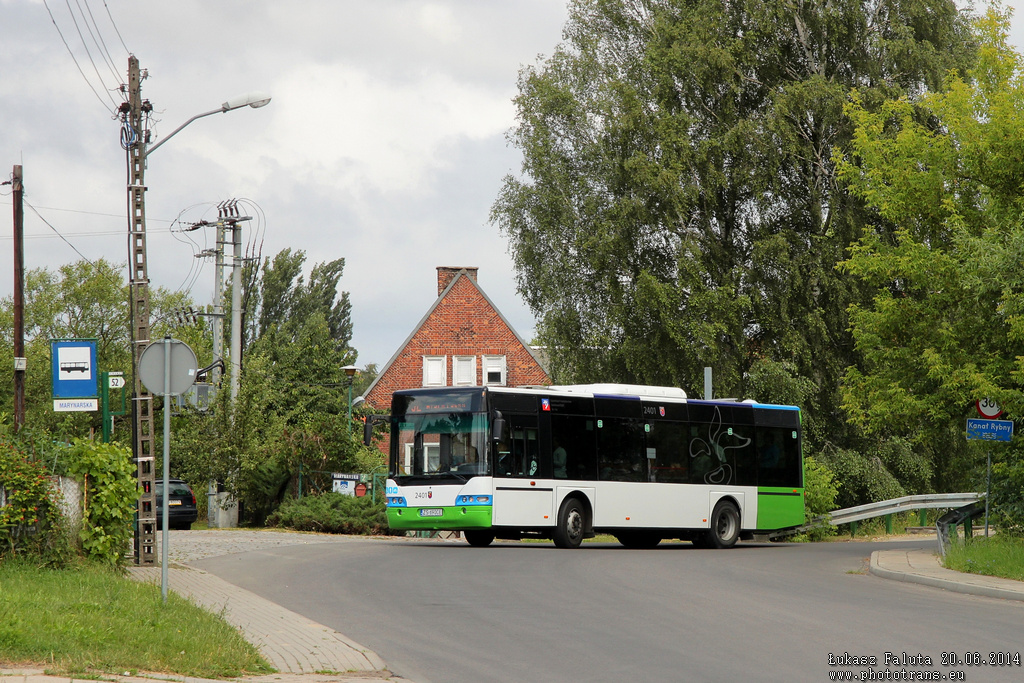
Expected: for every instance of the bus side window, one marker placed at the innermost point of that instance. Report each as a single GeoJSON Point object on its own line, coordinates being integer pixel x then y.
{"type": "Point", "coordinates": [524, 458]}
{"type": "Point", "coordinates": [778, 457]}
{"type": "Point", "coordinates": [671, 460]}
{"type": "Point", "coordinates": [574, 433]}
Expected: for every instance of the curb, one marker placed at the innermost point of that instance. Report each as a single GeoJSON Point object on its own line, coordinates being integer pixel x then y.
{"type": "Point", "coordinates": [955, 585]}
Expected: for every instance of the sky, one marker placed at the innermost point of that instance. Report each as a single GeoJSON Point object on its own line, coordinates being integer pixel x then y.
{"type": "Point", "coordinates": [384, 144]}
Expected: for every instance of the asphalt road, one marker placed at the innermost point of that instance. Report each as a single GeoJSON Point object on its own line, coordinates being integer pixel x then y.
{"type": "Point", "coordinates": [445, 612]}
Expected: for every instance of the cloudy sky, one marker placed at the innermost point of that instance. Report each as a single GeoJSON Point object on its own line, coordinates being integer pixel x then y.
{"type": "Point", "coordinates": [384, 143]}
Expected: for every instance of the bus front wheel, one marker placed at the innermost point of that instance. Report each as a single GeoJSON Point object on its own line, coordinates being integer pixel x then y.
{"type": "Point", "coordinates": [478, 538]}
{"type": "Point", "coordinates": [725, 526]}
{"type": "Point", "coordinates": [572, 524]}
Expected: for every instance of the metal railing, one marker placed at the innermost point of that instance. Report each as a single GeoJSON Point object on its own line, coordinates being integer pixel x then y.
{"type": "Point", "coordinates": [883, 508]}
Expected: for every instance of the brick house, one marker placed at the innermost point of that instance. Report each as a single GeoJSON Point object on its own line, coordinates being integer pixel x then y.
{"type": "Point", "coordinates": [463, 340]}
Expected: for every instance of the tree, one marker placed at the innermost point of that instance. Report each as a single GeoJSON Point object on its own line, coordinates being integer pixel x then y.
{"type": "Point", "coordinates": [291, 414]}
{"type": "Point", "coordinates": [946, 319]}
{"type": "Point", "coordinates": [679, 205]}
{"type": "Point", "coordinates": [80, 300]}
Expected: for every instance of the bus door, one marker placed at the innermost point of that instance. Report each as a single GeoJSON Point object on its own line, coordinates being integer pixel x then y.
{"type": "Point", "coordinates": [519, 500]}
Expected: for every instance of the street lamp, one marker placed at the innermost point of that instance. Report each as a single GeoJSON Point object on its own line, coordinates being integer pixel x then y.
{"type": "Point", "coordinates": [134, 140]}
{"type": "Point", "coordinates": [253, 99]}
{"type": "Point", "coordinates": [350, 371]}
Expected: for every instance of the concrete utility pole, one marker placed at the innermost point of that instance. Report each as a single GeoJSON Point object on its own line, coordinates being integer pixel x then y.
{"type": "Point", "coordinates": [19, 299]}
{"type": "Point", "coordinates": [133, 139]}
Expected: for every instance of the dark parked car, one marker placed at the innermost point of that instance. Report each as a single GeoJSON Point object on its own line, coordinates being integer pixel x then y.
{"type": "Point", "coordinates": [181, 505]}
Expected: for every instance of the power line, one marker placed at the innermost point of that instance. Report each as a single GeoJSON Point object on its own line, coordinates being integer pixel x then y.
{"type": "Point", "coordinates": [84, 257]}
{"type": "Point", "coordinates": [115, 27]}
{"type": "Point", "coordinates": [98, 213]}
{"type": "Point", "coordinates": [85, 46]}
{"type": "Point", "coordinates": [98, 39]}
{"type": "Point", "coordinates": [73, 58]}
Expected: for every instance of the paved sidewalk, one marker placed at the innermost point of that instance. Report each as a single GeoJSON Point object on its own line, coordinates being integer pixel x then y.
{"type": "Point", "coordinates": [302, 650]}
{"type": "Point", "coordinates": [923, 567]}
{"type": "Point", "coordinates": [290, 642]}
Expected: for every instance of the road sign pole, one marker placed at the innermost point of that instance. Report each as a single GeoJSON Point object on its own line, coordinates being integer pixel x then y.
{"type": "Point", "coordinates": [105, 404]}
{"type": "Point", "coordinates": [988, 487]}
{"type": "Point", "coordinates": [167, 467]}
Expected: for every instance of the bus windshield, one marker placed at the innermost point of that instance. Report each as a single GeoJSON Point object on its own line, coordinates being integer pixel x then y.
{"type": "Point", "coordinates": [432, 446]}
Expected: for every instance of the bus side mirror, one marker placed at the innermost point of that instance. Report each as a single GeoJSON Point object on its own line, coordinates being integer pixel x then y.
{"type": "Point", "coordinates": [367, 431]}
{"type": "Point", "coordinates": [497, 427]}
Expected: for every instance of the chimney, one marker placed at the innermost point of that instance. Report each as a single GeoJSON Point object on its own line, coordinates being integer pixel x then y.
{"type": "Point", "coordinates": [445, 275]}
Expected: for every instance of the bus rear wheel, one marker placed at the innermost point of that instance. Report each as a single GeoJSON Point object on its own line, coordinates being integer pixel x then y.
{"type": "Point", "coordinates": [725, 526]}
{"type": "Point", "coordinates": [572, 524]}
{"type": "Point", "coordinates": [478, 538]}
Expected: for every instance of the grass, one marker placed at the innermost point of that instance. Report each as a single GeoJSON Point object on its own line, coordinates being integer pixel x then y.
{"type": "Point", "coordinates": [997, 555]}
{"type": "Point", "coordinates": [89, 619]}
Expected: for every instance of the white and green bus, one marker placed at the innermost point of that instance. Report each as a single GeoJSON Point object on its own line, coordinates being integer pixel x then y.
{"type": "Point", "coordinates": [567, 462]}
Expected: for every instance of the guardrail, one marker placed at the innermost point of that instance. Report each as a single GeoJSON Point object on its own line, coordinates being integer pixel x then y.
{"type": "Point", "coordinates": [883, 508]}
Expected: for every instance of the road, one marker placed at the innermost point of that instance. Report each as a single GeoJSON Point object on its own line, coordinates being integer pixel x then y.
{"type": "Point", "coordinates": [442, 612]}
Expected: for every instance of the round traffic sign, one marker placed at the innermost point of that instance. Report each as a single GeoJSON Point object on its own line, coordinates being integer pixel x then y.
{"type": "Point", "coordinates": [183, 366]}
{"type": "Point", "coordinates": [989, 408]}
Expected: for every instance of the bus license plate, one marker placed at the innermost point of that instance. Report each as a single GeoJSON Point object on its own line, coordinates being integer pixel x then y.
{"type": "Point", "coordinates": [431, 512]}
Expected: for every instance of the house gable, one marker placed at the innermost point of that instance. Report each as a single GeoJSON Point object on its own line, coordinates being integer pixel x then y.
{"type": "Point", "coordinates": [463, 324]}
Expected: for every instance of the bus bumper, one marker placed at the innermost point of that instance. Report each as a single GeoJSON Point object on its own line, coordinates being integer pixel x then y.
{"type": "Point", "coordinates": [452, 518]}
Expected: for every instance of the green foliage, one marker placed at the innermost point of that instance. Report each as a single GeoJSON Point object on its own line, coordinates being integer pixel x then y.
{"type": "Point", "coordinates": [1007, 504]}
{"type": "Point", "coordinates": [678, 205]}
{"type": "Point", "coordinates": [820, 492]}
{"type": "Point", "coordinates": [89, 622]}
{"type": "Point", "coordinates": [81, 300]}
{"type": "Point", "coordinates": [30, 519]}
{"type": "Point", "coordinates": [109, 498]}
{"type": "Point", "coordinates": [333, 513]}
{"type": "Point", "coordinates": [945, 320]}
{"type": "Point", "coordinates": [999, 555]}
{"type": "Point", "coordinates": [862, 478]}
{"type": "Point", "coordinates": [291, 413]}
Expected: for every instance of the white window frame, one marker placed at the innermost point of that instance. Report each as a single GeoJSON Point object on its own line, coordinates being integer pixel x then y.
{"type": "Point", "coordinates": [432, 451]}
{"type": "Point", "coordinates": [459, 365]}
{"type": "Point", "coordinates": [492, 363]}
{"type": "Point", "coordinates": [430, 362]}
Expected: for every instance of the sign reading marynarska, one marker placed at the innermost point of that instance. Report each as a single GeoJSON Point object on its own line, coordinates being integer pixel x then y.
{"type": "Point", "coordinates": [73, 364]}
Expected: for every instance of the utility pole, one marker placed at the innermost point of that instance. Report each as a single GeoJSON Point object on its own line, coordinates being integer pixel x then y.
{"type": "Point", "coordinates": [236, 305]}
{"type": "Point", "coordinates": [19, 299]}
{"type": "Point", "coordinates": [133, 139]}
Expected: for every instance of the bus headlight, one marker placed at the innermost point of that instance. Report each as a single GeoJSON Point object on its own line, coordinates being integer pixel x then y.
{"type": "Point", "coordinates": [396, 502]}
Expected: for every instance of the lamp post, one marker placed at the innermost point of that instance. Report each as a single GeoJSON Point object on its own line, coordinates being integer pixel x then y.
{"type": "Point", "coordinates": [135, 139]}
{"type": "Point", "coordinates": [253, 99]}
{"type": "Point", "coordinates": [350, 371]}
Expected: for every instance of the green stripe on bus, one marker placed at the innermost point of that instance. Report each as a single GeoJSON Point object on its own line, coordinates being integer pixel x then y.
{"type": "Point", "coordinates": [451, 518]}
{"type": "Point", "coordinates": [779, 507]}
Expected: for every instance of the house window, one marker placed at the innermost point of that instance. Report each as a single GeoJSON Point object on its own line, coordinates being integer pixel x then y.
{"type": "Point", "coordinates": [435, 371]}
{"type": "Point", "coordinates": [464, 371]}
{"type": "Point", "coordinates": [494, 370]}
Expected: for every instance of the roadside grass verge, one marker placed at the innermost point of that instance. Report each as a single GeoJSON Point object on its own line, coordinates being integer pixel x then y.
{"type": "Point", "coordinates": [997, 555]}
{"type": "Point", "coordinates": [90, 619]}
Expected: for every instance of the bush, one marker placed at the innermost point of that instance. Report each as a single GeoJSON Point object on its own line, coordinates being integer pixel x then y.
{"type": "Point", "coordinates": [862, 478]}
{"type": "Point", "coordinates": [332, 513]}
{"type": "Point", "coordinates": [109, 498]}
{"type": "Point", "coordinates": [30, 521]}
{"type": "Point", "coordinates": [1007, 504]}
{"type": "Point", "coordinates": [820, 492]}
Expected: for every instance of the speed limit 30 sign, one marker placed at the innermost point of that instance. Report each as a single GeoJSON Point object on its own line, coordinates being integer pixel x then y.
{"type": "Point", "coordinates": [989, 408]}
